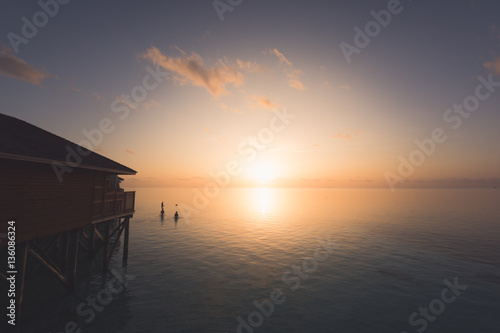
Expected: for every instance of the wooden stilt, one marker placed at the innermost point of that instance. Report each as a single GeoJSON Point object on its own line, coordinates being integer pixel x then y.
{"type": "Point", "coordinates": [75, 258]}
{"type": "Point", "coordinates": [92, 238]}
{"type": "Point", "coordinates": [66, 251]}
{"type": "Point", "coordinates": [125, 243]}
{"type": "Point", "coordinates": [34, 244]}
{"type": "Point", "coordinates": [45, 258]}
{"type": "Point", "coordinates": [49, 266]}
{"type": "Point", "coordinates": [105, 247]}
{"type": "Point", "coordinates": [119, 229]}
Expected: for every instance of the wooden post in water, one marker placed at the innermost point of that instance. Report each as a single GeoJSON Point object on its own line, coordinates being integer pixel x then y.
{"type": "Point", "coordinates": [125, 243]}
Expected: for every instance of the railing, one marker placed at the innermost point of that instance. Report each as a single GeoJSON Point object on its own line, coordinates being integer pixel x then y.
{"type": "Point", "coordinates": [113, 203]}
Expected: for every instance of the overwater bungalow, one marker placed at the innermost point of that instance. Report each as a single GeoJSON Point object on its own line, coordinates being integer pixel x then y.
{"type": "Point", "coordinates": [61, 199]}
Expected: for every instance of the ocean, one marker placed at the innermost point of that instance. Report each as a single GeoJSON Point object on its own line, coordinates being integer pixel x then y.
{"type": "Point", "coordinates": [294, 260]}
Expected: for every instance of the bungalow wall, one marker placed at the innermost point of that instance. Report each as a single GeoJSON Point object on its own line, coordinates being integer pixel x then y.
{"type": "Point", "coordinates": [31, 194]}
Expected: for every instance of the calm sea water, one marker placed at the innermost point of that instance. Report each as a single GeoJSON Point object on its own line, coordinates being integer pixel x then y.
{"type": "Point", "coordinates": [333, 260]}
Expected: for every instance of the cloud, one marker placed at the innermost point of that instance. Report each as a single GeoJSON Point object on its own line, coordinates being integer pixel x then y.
{"type": "Point", "coordinates": [97, 96]}
{"type": "Point", "coordinates": [281, 56]}
{"type": "Point", "coordinates": [493, 66]}
{"type": "Point", "coordinates": [130, 105]}
{"type": "Point", "coordinates": [226, 108]}
{"type": "Point", "coordinates": [316, 145]}
{"type": "Point", "coordinates": [348, 135]}
{"type": "Point", "coordinates": [130, 151]}
{"type": "Point", "coordinates": [346, 87]}
{"type": "Point", "coordinates": [343, 136]}
{"type": "Point", "coordinates": [191, 69]}
{"type": "Point", "coordinates": [457, 182]}
{"type": "Point", "coordinates": [261, 102]}
{"type": "Point", "coordinates": [292, 74]}
{"type": "Point", "coordinates": [17, 68]}
{"type": "Point", "coordinates": [150, 104]}
{"type": "Point", "coordinates": [360, 180]}
{"type": "Point", "coordinates": [251, 67]}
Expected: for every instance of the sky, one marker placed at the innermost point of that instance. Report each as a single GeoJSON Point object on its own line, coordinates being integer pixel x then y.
{"type": "Point", "coordinates": [391, 94]}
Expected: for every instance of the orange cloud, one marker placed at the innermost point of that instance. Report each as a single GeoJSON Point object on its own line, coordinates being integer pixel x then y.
{"type": "Point", "coordinates": [251, 67]}
{"type": "Point", "coordinates": [191, 69]}
{"type": "Point", "coordinates": [228, 108]}
{"type": "Point", "coordinates": [292, 74]}
{"type": "Point", "coordinates": [281, 56]}
{"type": "Point", "coordinates": [130, 151]}
{"type": "Point", "coordinates": [17, 68]}
{"type": "Point", "coordinates": [261, 102]}
{"type": "Point", "coordinates": [493, 66]}
{"type": "Point", "coordinates": [344, 135]}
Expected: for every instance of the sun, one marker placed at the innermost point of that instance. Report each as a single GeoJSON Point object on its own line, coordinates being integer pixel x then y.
{"type": "Point", "coordinates": [263, 172]}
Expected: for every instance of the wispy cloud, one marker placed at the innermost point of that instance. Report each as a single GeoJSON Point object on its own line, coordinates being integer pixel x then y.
{"type": "Point", "coordinates": [130, 151]}
{"type": "Point", "coordinates": [228, 108]}
{"type": "Point", "coordinates": [130, 105]}
{"type": "Point", "coordinates": [292, 74]}
{"type": "Point", "coordinates": [347, 135]}
{"type": "Point", "coordinates": [17, 68]}
{"type": "Point", "coordinates": [191, 69]}
{"type": "Point", "coordinates": [251, 67]}
{"type": "Point", "coordinates": [261, 102]}
{"type": "Point", "coordinates": [150, 104]}
{"type": "Point", "coordinates": [345, 87]}
{"type": "Point", "coordinates": [493, 66]}
{"type": "Point", "coordinates": [282, 57]}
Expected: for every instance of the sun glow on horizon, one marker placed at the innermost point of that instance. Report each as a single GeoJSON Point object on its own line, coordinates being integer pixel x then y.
{"type": "Point", "coordinates": [264, 172]}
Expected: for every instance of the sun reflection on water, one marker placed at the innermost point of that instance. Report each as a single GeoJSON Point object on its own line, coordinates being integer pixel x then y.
{"type": "Point", "coordinates": [264, 200]}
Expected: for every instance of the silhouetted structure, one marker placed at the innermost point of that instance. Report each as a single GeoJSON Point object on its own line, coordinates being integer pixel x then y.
{"type": "Point", "coordinates": [62, 198]}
